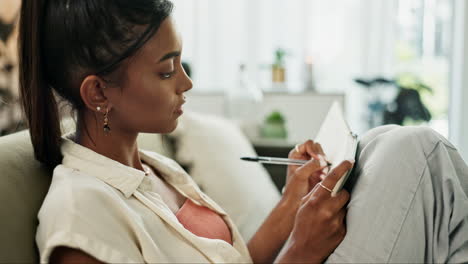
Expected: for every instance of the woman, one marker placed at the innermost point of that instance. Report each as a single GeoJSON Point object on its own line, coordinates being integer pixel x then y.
{"type": "Point", "coordinates": [118, 63]}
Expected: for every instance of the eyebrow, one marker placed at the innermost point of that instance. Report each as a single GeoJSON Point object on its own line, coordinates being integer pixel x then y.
{"type": "Point", "coordinates": [170, 55]}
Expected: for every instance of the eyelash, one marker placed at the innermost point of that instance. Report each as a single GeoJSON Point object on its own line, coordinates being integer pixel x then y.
{"type": "Point", "coordinates": [165, 76]}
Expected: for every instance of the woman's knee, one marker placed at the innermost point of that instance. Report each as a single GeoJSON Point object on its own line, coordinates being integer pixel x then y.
{"type": "Point", "coordinates": [375, 132]}
{"type": "Point", "coordinates": [416, 138]}
{"type": "Point", "coordinates": [397, 154]}
{"type": "Point", "coordinates": [400, 146]}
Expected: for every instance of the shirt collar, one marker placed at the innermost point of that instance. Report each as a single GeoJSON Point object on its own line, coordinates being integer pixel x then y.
{"type": "Point", "coordinates": [128, 179]}
{"type": "Point", "coordinates": [122, 177]}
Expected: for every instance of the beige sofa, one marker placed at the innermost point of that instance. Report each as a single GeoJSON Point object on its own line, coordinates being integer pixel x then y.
{"type": "Point", "coordinates": [24, 183]}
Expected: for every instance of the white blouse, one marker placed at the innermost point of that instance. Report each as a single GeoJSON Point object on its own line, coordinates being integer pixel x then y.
{"type": "Point", "coordinates": [111, 212]}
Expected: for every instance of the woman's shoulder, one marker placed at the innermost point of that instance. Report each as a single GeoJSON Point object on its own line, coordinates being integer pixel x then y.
{"type": "Point", "coordinates": [73, 192]}
{"type": "Point", "coordinates": [70, 182]}
{"type": "Point", "coordinates": [81, 211]}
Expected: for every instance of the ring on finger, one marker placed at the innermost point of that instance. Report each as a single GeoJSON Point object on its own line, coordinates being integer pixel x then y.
{"type": "Point", "coordinates": [297, 148]}
{"type": "Point", "coordinates": [325, 187]}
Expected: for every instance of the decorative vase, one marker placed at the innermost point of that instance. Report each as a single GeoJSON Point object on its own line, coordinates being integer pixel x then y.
{"type": "Point", "coordinates": [278, 74]}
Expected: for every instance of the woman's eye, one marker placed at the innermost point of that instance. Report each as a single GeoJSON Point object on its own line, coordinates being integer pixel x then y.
{"type": "Point", "coordinates": [166, 75]}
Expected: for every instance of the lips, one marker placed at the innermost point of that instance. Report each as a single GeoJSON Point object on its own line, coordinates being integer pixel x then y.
{"type": "Point", "coordinates": [179, 108]}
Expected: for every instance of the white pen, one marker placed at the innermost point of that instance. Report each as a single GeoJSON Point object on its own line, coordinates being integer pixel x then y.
{"type": "Point", "coordinates": [278, 161]}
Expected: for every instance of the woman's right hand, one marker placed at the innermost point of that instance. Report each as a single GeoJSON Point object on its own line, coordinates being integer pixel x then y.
{"type": "Point", "coordinates": [320, 222]}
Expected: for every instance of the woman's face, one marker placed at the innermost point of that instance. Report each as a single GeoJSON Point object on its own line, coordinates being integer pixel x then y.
{"type": "Point", "coordinates": [150, 95]}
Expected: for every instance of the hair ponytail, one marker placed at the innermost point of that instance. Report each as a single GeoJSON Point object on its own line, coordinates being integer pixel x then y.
{"type": "Point", "coordinates": [37, 98]}
{"type": "Point", "coordinates": [59, 47]}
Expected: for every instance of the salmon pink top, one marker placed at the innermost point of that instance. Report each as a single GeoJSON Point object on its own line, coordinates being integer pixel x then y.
{"type": "Point", "coordinates": [203, 222]}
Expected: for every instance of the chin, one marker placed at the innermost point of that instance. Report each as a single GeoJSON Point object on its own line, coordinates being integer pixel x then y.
{"type": "Point", "coordinates": [166, 127]}
{"type": "Point", "coordinates": [173, 128]}
{"type": "Point", "coordinates": [170, 127]}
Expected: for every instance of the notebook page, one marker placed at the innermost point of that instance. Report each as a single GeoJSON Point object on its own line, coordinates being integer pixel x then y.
{"type": "Point", "coordinates": [334, 135]}
{"type": "Point", "coordinates": [337, 140]}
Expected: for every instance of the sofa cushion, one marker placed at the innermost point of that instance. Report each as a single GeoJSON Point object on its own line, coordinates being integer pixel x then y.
{"type": "Point", "coordinates": [24, 184]}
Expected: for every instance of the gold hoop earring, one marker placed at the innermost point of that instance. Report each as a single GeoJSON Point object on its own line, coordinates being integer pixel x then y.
{"type": "Point", "coordinates": [106, 122]}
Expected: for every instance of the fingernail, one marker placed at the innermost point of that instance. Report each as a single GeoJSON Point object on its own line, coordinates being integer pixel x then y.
{"type": "Point", "coordinates": [326, 170]}
{"type": "Point", "coordinates": [322, 161]}
{"type": "Point", "coordinates": [322, 176]}
{"type": "Point", "coordinates": [352, 161]}
{"type": "Point", "coordinates": [315, 156]}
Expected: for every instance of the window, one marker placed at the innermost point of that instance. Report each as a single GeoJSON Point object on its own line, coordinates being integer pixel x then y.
{"type": "Point", "coordinates": [423, 49]}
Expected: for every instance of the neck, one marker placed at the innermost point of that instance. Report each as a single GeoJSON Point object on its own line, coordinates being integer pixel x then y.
{"type": "Point", "coordinates": [117, 145]}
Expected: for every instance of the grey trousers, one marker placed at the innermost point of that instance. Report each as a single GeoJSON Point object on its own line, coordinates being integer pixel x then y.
{"type": "Point", "coordinates": [409, 202]}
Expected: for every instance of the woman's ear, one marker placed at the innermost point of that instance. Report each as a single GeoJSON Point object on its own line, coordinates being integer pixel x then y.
{"type": "Point", "coordinates": [92, 93]}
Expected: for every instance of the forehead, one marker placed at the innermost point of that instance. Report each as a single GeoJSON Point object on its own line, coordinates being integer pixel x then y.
{"type": "Point", "coordinates": [166, 39]}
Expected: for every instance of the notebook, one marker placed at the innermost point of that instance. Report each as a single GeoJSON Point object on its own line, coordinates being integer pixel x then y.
{"type": "Point", "coordinates": [338, 142]}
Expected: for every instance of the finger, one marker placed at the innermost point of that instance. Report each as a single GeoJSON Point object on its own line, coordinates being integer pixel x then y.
{"type": "Point", "coordinates": [340, 224]}
{"type": "Point", "coordinates": [296, 155]}
{"type": "Point", "coordinates": [310, 195]}
{"type": "Point", "coordinates": [339, 201]}
{"type": "Point", "coordinates": [316, 177]}
{"type": "Point", "coordinates": [299, 152]}
{"type": "Point", "coordinates": [314, 180]}
{"type": "Point", "coordinates": [321, 193]}
{"type": "Point", "coordinates": [308, 169]}
{"type": "Point", "coordinates": [323, 158]}
{"type": "Point", "coordinates": [338, 220]}
{"type": "Point", "coordinates": [335, 175]}
{"type": "Point", "coordinates": [319, 148]}
{"type": "Point", "coordinates": [311, 149]}
{"type": "Point", "coordinates": [329, 182]}
{"type": "Point", "coordinates": [315, 194]}
{"type": "Point", "coordinates": [342, 215]}
{"type": "Point", "coordinates": [301, 149]}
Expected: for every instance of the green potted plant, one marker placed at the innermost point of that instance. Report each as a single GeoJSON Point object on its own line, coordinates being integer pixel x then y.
{"type": "Point", "coordinates": [274, 126]}
{"type": "Point", "coordinates": [278, 67]}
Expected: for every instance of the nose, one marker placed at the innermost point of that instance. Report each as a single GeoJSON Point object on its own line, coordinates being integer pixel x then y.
{"type": "Point", "coordinates": [186, 83]}
{"type": "Point", "coordinates": [189, 84]}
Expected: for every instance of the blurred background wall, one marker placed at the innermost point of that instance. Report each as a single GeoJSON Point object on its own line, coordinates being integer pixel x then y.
{"type": "Point", "coordinates": [392, 61]}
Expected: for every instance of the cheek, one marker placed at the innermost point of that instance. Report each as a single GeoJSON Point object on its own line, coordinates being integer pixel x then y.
{"type": "Point", "coordinates": [146, 104]}
{"type": "Point", "coordinates": [148, 100]}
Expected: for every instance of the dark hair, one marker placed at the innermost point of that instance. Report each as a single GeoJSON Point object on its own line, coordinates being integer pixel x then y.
{"type": "Point", "coordinates": [63, 41]}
